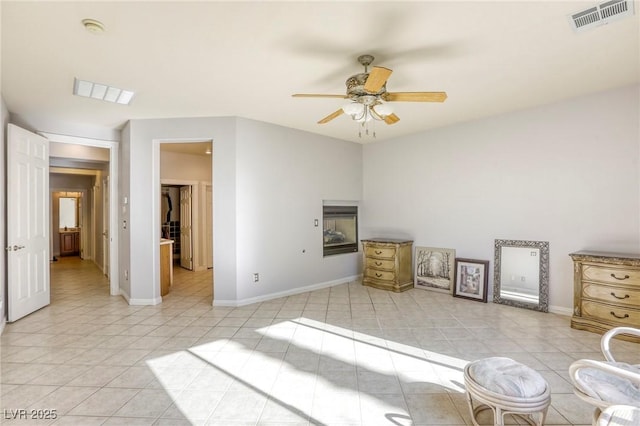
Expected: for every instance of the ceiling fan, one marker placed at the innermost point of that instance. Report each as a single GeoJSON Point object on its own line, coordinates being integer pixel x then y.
{"type": "Point", "coordinates": [368, 94]}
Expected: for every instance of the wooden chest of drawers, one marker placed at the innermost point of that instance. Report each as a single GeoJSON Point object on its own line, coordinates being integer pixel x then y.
{"type": "Point", "coordinates": [606, 291]}
{"type": "Point", "coordinates": [387, 264]}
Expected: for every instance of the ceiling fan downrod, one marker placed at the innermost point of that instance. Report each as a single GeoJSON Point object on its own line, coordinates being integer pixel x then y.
{"type": "Point", "coordinates": [366, 60]}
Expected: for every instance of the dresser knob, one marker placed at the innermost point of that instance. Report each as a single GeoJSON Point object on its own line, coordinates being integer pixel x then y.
{"type": "Point", "coordinates": [626, 296]}
{"type": "Point", "coordinates": [618, 278]}
{"type": "Point", "coordinates": [378, 263]}
{"type": "Point", "coordinates": [378, 275]}
{"type": "Point", "coordinates": [380, 252]}
{"type": "Point", "coordinates": [619, 317]}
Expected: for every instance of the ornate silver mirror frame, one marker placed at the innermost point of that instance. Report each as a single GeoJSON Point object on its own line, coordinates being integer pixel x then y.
{"type": "Point", "coordinates": [517, 261]}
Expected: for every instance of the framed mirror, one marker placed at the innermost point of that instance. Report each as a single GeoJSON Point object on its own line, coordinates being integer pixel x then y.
{"type": "Point", "coordinates": [68, 212]}
{"type": "Point", "coordinates": [521, 274]}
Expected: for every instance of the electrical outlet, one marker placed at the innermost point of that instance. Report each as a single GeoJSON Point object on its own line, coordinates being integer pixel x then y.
{"type": "Point", "coordinates": [256, 277]}
{"type": "Point", "coordinates": [126, 274]}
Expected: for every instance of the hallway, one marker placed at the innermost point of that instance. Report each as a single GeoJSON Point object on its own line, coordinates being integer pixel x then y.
{"type": "Point", "coordinates": [75, 281]}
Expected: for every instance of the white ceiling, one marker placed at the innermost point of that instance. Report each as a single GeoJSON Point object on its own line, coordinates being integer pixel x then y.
{"type": "Point", "coordinates": [247, 58]}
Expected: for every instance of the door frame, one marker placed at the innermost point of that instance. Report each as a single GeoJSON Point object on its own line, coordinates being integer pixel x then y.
{"type": "Point", "coordinates": [106, 182]}
{"type": "Point", "coordinates": [113, 147]}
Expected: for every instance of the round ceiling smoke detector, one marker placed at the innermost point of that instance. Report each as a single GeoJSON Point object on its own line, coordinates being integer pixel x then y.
{"type": "Point", "coordinates": [93, 26]}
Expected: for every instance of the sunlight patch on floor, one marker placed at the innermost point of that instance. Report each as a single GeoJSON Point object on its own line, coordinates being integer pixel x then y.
{"type": "Point", "coordinates": [304, 369]}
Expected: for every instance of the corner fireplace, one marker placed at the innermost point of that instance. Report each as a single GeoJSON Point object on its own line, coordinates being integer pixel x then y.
{"type": "Point", "coordinates": [340, 229]}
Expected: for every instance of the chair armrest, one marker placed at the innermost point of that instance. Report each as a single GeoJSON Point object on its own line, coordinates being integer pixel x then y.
{"type": "Point", "coordinates": [605, 342]}
{"type": "Point", "coordinates": [602, 366]}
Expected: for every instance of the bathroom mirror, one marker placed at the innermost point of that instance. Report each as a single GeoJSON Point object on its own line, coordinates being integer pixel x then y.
{"type": "Point", "coordinates": [68, 209]}
{"type": "Point", "coordinates": [521, 274]}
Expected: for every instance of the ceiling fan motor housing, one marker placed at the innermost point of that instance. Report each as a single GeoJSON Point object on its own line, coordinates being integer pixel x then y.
{"type": "Point", "coordinates": [355, 89]}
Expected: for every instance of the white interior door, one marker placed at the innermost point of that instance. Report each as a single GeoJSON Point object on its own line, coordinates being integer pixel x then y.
{"type": "Point", "coordinates": [186, 249]}
{"type": "Point", "coordinates": [209, 225]}
{"type": "Point", "coordinates": [105, 225]}
{"type": "Point", "coordinates": [27, 222]}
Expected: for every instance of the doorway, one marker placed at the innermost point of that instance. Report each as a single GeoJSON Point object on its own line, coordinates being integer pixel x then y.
{"type": "Point", "coordinates": [74, 155]}
{"type": "Point", "coordinates": [184, 209]}
{"type": "Point", "coordinates": [28, 269]}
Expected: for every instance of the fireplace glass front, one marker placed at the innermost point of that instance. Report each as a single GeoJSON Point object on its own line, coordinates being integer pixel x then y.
{"type": "Point", "coordinates": [340, 229]}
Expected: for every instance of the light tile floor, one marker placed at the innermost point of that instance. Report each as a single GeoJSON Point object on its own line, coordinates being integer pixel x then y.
{"type": "Point", "coordinates": [346, 355]}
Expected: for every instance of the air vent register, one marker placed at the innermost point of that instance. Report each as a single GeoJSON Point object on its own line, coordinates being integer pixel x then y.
{"type": "Point", "coordinates": [601, 14]}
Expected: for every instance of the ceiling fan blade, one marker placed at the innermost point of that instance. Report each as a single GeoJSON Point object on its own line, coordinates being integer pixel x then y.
{"type": "Point", "coordinates": [316, 95]}
{"type": "Point", "coordinates": [331, 116]}
{"type": "Point", "coordinates": [391, 119]}
{"type": "Point", "coordinates": [377, 78]}
{"type": "Point", "coordinates": [414, 96]}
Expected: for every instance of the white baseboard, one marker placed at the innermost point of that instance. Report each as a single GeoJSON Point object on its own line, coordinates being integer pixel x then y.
{"type": "Point", "coordinates": [561, 310]}
{"type": "Point", "coordinates": [125, 296]}
{"type": "Point", "coordinates": [139, 302]}
{"type": "Point", "coordinates": [264, 298]}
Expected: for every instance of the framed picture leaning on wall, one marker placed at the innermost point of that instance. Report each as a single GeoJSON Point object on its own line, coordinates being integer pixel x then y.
{"type": "Point", "coordinates": [434, 269]}
{"type": "Point", "coordinates": [472, 279]}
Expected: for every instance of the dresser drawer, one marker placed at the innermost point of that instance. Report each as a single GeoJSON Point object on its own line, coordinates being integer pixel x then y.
{"type": "Point", "coordinates": [601, 311]}
{"type": "Point", "coordinates": [612, 295]}
{"type": "Point", "coordinates": [380, 275]}
{"type": "Point", "coordinates": [604, 274]}
{"type": "Point", "coordinates": [373, 263]}
{"type": "Point", "coordinates": [380, 252]}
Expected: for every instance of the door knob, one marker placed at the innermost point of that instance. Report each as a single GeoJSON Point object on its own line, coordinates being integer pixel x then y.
{"type": "Point", "coordinates": [14, 248]}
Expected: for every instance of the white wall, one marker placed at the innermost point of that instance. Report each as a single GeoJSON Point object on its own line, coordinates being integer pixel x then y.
{"type": "Point", "coordinates": [175, 165]}
{"type": "Point", "coordinates": [567, 173]}
{"type": "Point", "coordinates": [282, 177]}
{"type": "Point", "coordinates": [43, 123]}
{"type": "Point", "coordinates": [124, 236]}
{"type": "Point", "coordinates": [81, 152]}
{"type": "Point", "coordinates": [269, 183]}
{"type": "Point", "coordinates": [139, 249]}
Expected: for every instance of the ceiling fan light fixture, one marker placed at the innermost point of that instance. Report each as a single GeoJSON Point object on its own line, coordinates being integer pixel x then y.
{"type": "Point", "coordinates": [383, 109]}
{"type": "Point", "coordinates": [368, 94]}
{"type": "Point", "coordinates": [353, 109]}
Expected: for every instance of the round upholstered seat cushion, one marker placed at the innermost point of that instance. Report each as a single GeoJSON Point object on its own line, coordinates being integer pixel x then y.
{"type": "Point", "coordinates": [507, 377]}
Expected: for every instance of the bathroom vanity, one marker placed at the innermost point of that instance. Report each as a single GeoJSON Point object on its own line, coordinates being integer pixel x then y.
{"type": "Point", "coordinates": [70, 242]}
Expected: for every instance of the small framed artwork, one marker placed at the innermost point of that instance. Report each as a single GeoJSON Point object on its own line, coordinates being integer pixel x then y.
{"type": "Point", "coordinates": [472, 279]}
{"type": "Point", "coordinates": [434, 269]}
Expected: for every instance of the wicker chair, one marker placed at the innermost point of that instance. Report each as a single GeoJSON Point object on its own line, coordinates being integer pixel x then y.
{"type": "Point", "coordinates": [607, 383]}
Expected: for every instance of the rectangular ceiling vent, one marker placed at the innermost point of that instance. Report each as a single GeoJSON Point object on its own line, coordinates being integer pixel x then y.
{"type": "Point", "coordinates": [601, 14]}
